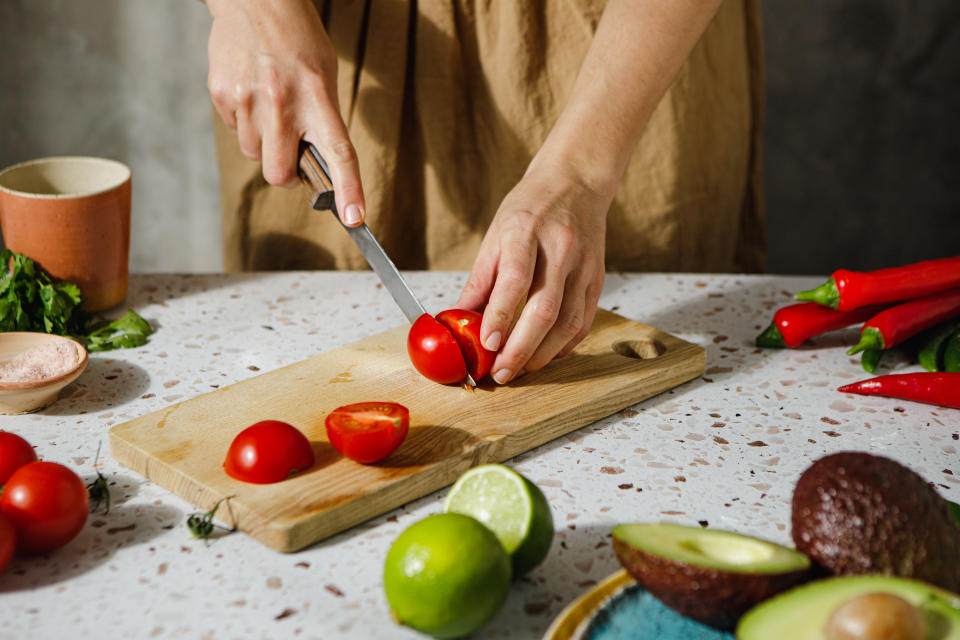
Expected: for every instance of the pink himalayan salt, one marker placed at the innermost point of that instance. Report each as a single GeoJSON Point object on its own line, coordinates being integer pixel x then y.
{"type": "Point", "coordinates": [47, 360]}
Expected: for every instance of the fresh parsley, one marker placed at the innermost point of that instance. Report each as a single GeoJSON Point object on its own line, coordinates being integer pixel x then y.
{"type": "Point", "coordinates": [31, 301]}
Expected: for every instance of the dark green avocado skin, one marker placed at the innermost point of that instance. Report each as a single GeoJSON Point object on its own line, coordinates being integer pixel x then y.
{"type": "Point", "coordinates": [856, 513]}
{"type": "Point", "coordinates": [714, 597]}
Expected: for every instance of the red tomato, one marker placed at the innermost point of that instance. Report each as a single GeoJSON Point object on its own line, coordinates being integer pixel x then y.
{"type": "Point", "coordinates": [14, 453]}
{"type": "Point", "coordinates": [465, 327]}
{"type": "Point", "coordinates": [47, 504]}
{"type": "Point", "coordinates": [368, 432]}
{"type": "Point", "coordinates": [268, 451]}
{"type": "Point", "coordinates": [434, 352]}
{"type": "Point", "coordinates": [8, 541]}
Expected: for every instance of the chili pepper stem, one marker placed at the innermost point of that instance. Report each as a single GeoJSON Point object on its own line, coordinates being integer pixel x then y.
{"type": "Point", "coordinates": [870, 338]}
{"type": "Point", "coordinates": [826, 294]}
{"type": "Point", "coordinates": [771, 338]}
{"type": "Point", "coordinates": [869, 359]}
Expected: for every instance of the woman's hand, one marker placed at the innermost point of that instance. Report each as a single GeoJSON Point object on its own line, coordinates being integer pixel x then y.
{"type": "Point", "coordinates": [546, 242]}
{"type": "Point", "coordinates": [542, 257]}
{"type": "Point", "coordinates": [273, 79]}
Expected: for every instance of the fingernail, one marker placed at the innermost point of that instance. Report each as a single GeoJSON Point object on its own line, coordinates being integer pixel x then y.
{"type": "Point", "coordinates": [352, 215]}
{"type": "Point", "coordinates": [493, 341]}
{"type": "Point", "coordinates": [502, 376]}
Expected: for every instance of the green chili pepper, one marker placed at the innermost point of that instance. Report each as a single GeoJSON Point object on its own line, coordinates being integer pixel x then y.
{"type": "Point", "coordinates": [951, 353]}
{"type": "Point", "coordinates": [931, 353]}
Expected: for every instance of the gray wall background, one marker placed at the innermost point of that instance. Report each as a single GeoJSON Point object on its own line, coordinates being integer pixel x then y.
{"type": "Point", "coordinates": [862, 153]}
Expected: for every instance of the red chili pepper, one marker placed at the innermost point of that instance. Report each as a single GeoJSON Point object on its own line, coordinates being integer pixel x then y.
{"type": "Point", "coordinates": [942, 389]}
{"type": "Point", "coordinates": [794, 324]}
{"type": "Point", "coordinates": [846, 290]}
{"type": "Point", "coordinates": [896, 324]}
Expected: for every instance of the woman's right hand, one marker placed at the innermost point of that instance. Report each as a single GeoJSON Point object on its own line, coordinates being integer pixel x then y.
{"type": "Point", "coordinates": [273, 80]}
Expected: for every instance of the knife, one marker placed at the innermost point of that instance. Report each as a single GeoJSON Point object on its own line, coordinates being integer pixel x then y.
{"type": "Point", "coordinates": [314, 172]}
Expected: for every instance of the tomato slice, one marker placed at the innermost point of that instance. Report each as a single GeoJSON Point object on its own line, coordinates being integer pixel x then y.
{"type": "Point", "coordinates": [47, 503]}
{"type": "Point", "coordinates": [368, 432]}
{"type": "Point", "coordinates": [434, 351]}
{"type": "Point", "coordinates": [268, 451]}
{"type": "Point", "coordinates": [464, 324]}
{"type": "Point", "coordinates": [14, 453]}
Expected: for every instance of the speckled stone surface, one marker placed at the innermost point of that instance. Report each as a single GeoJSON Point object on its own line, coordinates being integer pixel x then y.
{"type": "Point", "coordinates": [723, 450]}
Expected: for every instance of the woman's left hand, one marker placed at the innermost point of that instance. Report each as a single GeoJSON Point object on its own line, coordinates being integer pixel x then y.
{"type": "Point", "coordinates": [542, 256]}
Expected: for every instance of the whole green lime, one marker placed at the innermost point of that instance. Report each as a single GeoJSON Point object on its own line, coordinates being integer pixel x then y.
{"type": "Point", "coordinates": [446, 575]}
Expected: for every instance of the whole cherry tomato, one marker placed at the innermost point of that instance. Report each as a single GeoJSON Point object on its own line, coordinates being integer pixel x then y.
{"type": "Point", "coordinates": [14, 453]}
{"type": "Point", "coordinates": [368, 432]}
{"type": "Point", "coordinates": [8, 541]}
{"type": "Point", "coordinates": [434, 351]}
{"type": "Point", "coordinates": [268, 451]}
{"type": "Point", "coordinates": [47, 504]}
{"type": "Point", "coordinates": [465, 327]}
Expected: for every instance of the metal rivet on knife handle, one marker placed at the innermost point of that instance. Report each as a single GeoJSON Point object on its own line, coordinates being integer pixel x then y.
{"type": "Point", "coordinates": [314, 173]}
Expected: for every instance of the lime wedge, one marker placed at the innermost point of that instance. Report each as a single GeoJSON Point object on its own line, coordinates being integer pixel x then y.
{"type": "Point", "coordinates": [511, 506]}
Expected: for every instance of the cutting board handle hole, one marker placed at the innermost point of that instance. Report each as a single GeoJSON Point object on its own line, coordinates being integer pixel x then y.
{"type": "Point", "coordinates": [642, 349]}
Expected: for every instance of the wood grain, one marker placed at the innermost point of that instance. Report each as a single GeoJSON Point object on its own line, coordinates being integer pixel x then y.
{"type": "Point", "coordinates": [181, 447]}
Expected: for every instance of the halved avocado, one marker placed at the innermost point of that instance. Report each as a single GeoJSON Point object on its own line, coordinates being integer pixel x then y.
{"type": "Point", "coordinates": [855, 513]}
{"type": "Point", "coordinates": [802, 612]}
{"type": "Point", "coordinates": [709, 575]}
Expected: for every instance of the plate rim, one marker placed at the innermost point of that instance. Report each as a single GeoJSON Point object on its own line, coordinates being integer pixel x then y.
{"type": "Point", "coordinates": [568, 622]}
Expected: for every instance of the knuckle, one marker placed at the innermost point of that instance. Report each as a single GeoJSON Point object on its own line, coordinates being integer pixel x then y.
{"type": "Point", "coordinates": [570, 323]}
{"type": "Point", "coordinates": [342, 151]}
{"type": "Point", "coordinates": [276, 91]}
{"type": "Point", "coordinates": [545, 310]}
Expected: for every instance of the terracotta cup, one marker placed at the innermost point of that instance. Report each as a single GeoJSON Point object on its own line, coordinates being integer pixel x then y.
{"type": "Point", "coordinates": [71, 215]}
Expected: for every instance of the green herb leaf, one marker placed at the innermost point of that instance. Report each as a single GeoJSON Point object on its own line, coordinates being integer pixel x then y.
{"type": "Point", "coordinates": [31, 301]}
{"type": "Point", "coordinates": [128, 331]}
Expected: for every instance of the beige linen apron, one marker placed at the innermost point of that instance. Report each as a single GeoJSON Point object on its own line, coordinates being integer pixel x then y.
{"type": "Point", "coordinates": [447, 101]}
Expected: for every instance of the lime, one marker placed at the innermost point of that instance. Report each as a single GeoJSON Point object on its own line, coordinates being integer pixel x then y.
{"type": "Point", "coordinates": [513, 507]}
{"type": "Point", "coordinates": [446, 575]}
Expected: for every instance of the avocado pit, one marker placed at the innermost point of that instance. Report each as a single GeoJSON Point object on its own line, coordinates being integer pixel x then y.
{"type": "Point", "coordinates": [875, 616]}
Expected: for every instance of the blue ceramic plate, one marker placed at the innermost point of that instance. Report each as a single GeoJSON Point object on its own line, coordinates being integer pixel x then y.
{"type": "Point", "coordinates": [619, 609]}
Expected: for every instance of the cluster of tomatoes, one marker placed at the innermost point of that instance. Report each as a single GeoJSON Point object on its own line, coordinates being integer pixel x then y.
{"type": "Point", "coordinates": [43, 505]}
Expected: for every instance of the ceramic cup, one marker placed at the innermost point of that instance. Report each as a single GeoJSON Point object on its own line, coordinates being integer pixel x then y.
{"type": "Point", "coordinates": [71, 215]}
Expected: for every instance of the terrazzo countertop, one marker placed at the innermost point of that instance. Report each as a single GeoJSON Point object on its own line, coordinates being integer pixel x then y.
{"type": "Point", "coordinates": [723, 450]}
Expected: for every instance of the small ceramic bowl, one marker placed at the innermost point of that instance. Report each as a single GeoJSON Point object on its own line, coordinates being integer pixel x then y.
{"type": "Point", "coordinates": [31, 395]}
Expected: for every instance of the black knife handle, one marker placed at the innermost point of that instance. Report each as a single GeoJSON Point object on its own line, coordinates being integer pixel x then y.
{"type": "Point", "coordinates": [315, 174]}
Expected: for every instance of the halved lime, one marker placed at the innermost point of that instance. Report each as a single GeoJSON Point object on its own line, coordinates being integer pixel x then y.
{"type": "Point", "coordinates": [511, 506]}
{"type": "Point", "coordinates": [446, 575]}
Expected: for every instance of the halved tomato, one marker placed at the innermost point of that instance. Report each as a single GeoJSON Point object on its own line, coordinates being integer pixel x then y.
{"type": "Point", "coordinates": [434, 352]}
{"type": "Point", "coordinates": [268, 451]}
{"type": "Point", "coordinates": [368, 432]}
{"type": "Point", "coordinates": [465, 327]}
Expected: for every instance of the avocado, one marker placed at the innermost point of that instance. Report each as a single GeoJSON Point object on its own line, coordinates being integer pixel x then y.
{"type": "Point", "coordinates": [855, 513]}
{"type": "Point", "coordinates": [810, 611]}
{"type": "Point", "coordinates": [708, 575]}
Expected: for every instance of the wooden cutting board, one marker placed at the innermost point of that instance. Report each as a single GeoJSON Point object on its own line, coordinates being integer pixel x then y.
{"type": "Point", "coordinates": [182, 447]}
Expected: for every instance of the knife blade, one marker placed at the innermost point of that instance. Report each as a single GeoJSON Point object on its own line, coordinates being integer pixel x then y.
{"type": "Point", "coordinates": [314, 171]}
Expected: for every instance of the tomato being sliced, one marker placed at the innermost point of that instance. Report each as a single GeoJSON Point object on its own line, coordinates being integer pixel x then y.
{"type": "Point", "coordinates": [368, 432]}
{"type": "Point", "coordinates": [268, 451]}
{"type": "Point", "coordinates": [465, 327]}
{"type": "Point", "coordinates": [14, 453]}
{"type": "Point", "coordinates": [47, 504]}
{"type": "Point", "coordinates": [434, 351]}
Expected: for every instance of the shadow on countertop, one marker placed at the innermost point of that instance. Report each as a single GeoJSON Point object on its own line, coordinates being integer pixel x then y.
{"type": "Point", "coordinates": [106, 383]}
